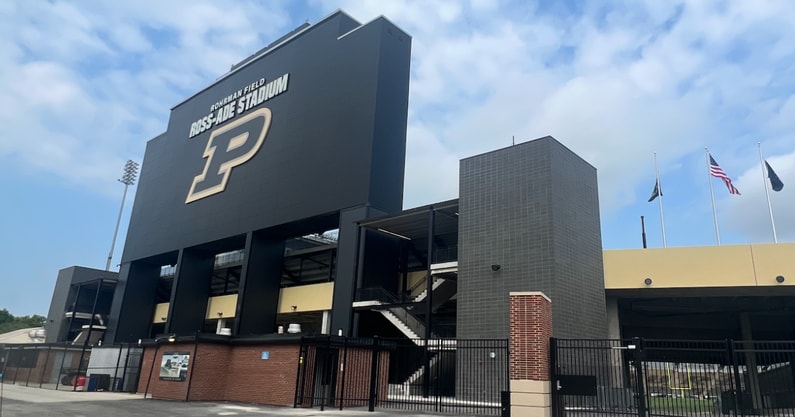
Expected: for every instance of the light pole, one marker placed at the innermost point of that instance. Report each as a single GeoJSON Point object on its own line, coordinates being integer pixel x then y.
{"type": "Point", "coordinates": [128, 179]}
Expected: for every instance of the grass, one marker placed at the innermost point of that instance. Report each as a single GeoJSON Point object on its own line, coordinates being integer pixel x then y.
{"type": "Point", "coordinates": [680, 404]}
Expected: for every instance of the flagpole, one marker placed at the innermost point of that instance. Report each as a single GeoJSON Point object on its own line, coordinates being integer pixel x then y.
{"type": "Point", "coordinates": [712, 197]}
{"type": "Point", "coordinates": [659, 188]}
{"type": "Point", "coordinates": [767, 192]}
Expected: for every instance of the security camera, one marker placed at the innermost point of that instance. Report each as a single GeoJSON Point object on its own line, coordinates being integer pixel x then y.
{"type": "Point", "coordinates": [495, 267]}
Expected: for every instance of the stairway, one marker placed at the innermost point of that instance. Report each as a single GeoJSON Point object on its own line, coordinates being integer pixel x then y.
{"type": "Point", "coordinates": [443, 291]}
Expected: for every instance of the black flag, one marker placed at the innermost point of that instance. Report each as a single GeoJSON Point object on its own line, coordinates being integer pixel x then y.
{"type": "Point", "coordinates": [656, 193]}
{"type": "Point", "coordinates": [775, 181]}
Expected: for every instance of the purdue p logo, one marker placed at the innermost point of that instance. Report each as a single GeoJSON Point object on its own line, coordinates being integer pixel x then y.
{"type": "Point", "coordinates": [228, 147]}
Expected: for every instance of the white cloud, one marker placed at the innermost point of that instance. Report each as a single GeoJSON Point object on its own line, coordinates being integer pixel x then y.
{"type": "Point", "coordinates": [750, 214]}
{"type": "Point", "coordinates": [614, 81]}
{"type": "Point", "coordinates": [90, 82]}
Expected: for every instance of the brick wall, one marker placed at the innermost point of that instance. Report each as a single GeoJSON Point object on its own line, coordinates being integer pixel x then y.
{"type": "Point", "coordinates": [210, 369]}
{"type": "Point", "coordinates": [226, 373]}
{"type": "Point", "coordinates": [530, 329]}
{"type": "Point", "coordinates": [171, 390]}
{"type": "Point", "coordinates": [251, 379]}
{"type": "Point", "coordinates": [354, 383]}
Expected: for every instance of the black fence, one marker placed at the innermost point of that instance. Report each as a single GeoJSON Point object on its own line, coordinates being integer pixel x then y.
{"type": "Point", "coordinates": [646, 377]}
{"type": "Point", "coordinates": [69, 368]}
{"type": "Point", "coordinates": [438, 375]}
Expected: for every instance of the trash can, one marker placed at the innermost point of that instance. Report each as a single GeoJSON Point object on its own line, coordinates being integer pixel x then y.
{"type": "Point", "coordinates": [93, 379]}
{"type": "Point", "coordinates": [80, 382]}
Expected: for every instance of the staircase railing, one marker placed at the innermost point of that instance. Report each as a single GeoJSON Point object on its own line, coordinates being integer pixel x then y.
{"type": "Point", "coordinates": [404, 314]}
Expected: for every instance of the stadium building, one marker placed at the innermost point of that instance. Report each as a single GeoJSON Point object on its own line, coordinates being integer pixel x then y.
{"type": "Point", "coordinates": [271, 211]}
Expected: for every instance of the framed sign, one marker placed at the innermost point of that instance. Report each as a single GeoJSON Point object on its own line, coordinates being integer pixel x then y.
{"type": "Point", "coordinates": [174, 366]}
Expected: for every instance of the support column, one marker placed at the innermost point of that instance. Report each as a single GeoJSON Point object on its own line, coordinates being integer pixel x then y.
{"type": "Point", "coordinates": [426, 376]}
{"type": "Point", "coordinates": [349, 249]}
{"type": "Point", "coordinates": [750, 361]}
{"type": "Point", "coordinates": [529, 363]}
{"type": "Point", "coordinates": [613, 323]}
{"type": "Point", "coordinates": [260, 284]}
{"type": "Point", "coordinates": [616, 373]}
{"type": "Point", "coordinates": [325, 326]}
{"type": "Point", "coordinates": [133, 302]}
{"type": "Point", "coordinates": [188, 306]}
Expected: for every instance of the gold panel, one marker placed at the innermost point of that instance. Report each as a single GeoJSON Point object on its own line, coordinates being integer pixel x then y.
{"type": "Point", "coordinates": [221, 307]}
{"type": "Point", "coordinates": [687, 267]}
{"type": "Point", "coordinates": [774, 260]}
{"type": "Point", "coordinates": [315, 297]}
{"type": "Point", "coordinates": [161, 313]}
{"type": "Point", "coordinates": [414, 278]}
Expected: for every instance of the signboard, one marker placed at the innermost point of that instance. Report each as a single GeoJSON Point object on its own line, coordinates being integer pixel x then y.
{"type": "Point", "coordinates": [174, 366]}
{"type": "Point", "coordinates": [256, 149]}
{"type": "Point", "coordinates": [266, 355]}
{"type": "Point", "coordinates": [582, 385]}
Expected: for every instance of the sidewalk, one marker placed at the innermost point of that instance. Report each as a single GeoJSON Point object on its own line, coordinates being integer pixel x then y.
{"type": "Point", "coordinates": [19, 401]}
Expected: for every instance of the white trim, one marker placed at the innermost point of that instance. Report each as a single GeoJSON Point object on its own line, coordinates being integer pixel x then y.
{"type": "Point", "coordinates": [512, 293]}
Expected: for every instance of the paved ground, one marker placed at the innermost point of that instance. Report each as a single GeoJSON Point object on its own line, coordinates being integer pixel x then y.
{"type": "Point", "coordinates": [20, 401]}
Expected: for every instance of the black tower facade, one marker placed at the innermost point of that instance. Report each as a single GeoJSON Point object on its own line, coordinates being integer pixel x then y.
{"type": "Point", "coordinates": [307, 135]}
{"type": "Point", "coordinates": [529, 221]}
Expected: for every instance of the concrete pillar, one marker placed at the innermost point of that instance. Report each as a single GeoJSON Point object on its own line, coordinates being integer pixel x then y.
{"type": "Point", "coordinates": [613, 324]}
{"type": "Point", "coordinates": [530, 331]}
{"type": "Point", "coordinates": [750, 361]}
{"type": "Point", "coordinates": [617, 376]}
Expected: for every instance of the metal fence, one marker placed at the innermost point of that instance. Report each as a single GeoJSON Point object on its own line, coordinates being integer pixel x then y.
{"type": "Point", "coordinates": [69, 368]}
{"type": "Point", "coordinates": [438, 375]}
{"type": "Point", "coordinates": [648, 377]}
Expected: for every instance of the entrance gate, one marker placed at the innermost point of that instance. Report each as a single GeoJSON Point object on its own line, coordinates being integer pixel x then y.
{"type": "Point", "coordinates": [464, 377]}
{"type": "Point", "coordinates": [646, 377]}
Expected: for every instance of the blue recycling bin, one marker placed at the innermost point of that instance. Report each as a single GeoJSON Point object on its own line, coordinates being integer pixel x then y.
{"type": "Point", "coordinates": [93, 380]}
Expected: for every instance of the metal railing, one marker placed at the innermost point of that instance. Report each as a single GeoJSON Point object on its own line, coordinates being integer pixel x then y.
{"type": "Point", "coordinates": [673, 377]}
{"type": "Point", "coordinates": [67, 367]}
{"type": "Point", "coordinates": [391, 303]}
{"type": "Point", "coordinates": [443, 375]}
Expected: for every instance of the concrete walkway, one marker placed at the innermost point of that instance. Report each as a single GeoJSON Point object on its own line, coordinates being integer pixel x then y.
{"type": "Point", "coordinates": [19, 401]}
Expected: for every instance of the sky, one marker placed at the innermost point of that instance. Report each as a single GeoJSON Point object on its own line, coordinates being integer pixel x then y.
{"type": "Point", "coordinates": [84, 85]}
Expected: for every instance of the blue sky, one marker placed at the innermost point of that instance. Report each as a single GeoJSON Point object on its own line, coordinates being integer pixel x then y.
{"type": "Point", "coordinates": [84, 85]}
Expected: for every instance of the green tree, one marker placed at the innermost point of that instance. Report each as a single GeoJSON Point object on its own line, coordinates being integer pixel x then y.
{"type": "Point", "coordinates": [5, 317]}
{"type": "Point", "coordinates": [10, 323]}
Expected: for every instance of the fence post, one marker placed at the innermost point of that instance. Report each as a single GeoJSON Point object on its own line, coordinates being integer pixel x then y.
{"type": "Point", "coordinates": [60, 371]}
{"type": "Point", "coordinates": [553, 377]}
{"type": "Point", "coordinates": [44, 371]}
{"type": "Point", "coordinates": [1, 389]}
{"type": "Point", "coordinates": [195, 362]}
{"type": "Point", "coordinates": [373, 376]}
{"type": "Point", "coordinates": [151, 368]}
{"type": "Point", "coordinates": [299, 381]}
{"type": "Point", "coordinates": [639, 377]}
{"type": "Point", "coordinates": [342, 370]}
{"type": "Point", "coordinates": [738, 390]}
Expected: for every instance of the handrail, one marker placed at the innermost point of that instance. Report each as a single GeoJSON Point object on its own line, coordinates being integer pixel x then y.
{"type": "Point", "coordinates": [418, 285]}
{"type": "Point", "coordinates": [387, 297]}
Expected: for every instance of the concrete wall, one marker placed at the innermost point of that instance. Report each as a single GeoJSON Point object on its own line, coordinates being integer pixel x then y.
{"type": "Point", "coordinates": [699, 267]}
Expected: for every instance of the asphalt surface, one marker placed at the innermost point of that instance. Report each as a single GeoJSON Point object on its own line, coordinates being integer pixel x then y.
{"type": "Point", "coordinates": [18, 401]}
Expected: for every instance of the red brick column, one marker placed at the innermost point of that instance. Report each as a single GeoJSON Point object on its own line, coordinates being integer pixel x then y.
{"type": "Point", "coordinates": [530, 331]}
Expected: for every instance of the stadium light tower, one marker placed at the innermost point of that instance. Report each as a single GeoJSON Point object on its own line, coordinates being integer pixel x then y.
{"type": "Point", "coordinates": [128, 179]}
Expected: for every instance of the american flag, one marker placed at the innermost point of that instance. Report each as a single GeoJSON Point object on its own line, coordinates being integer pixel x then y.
{"type": "Point", "coordinates": [717, 171]}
